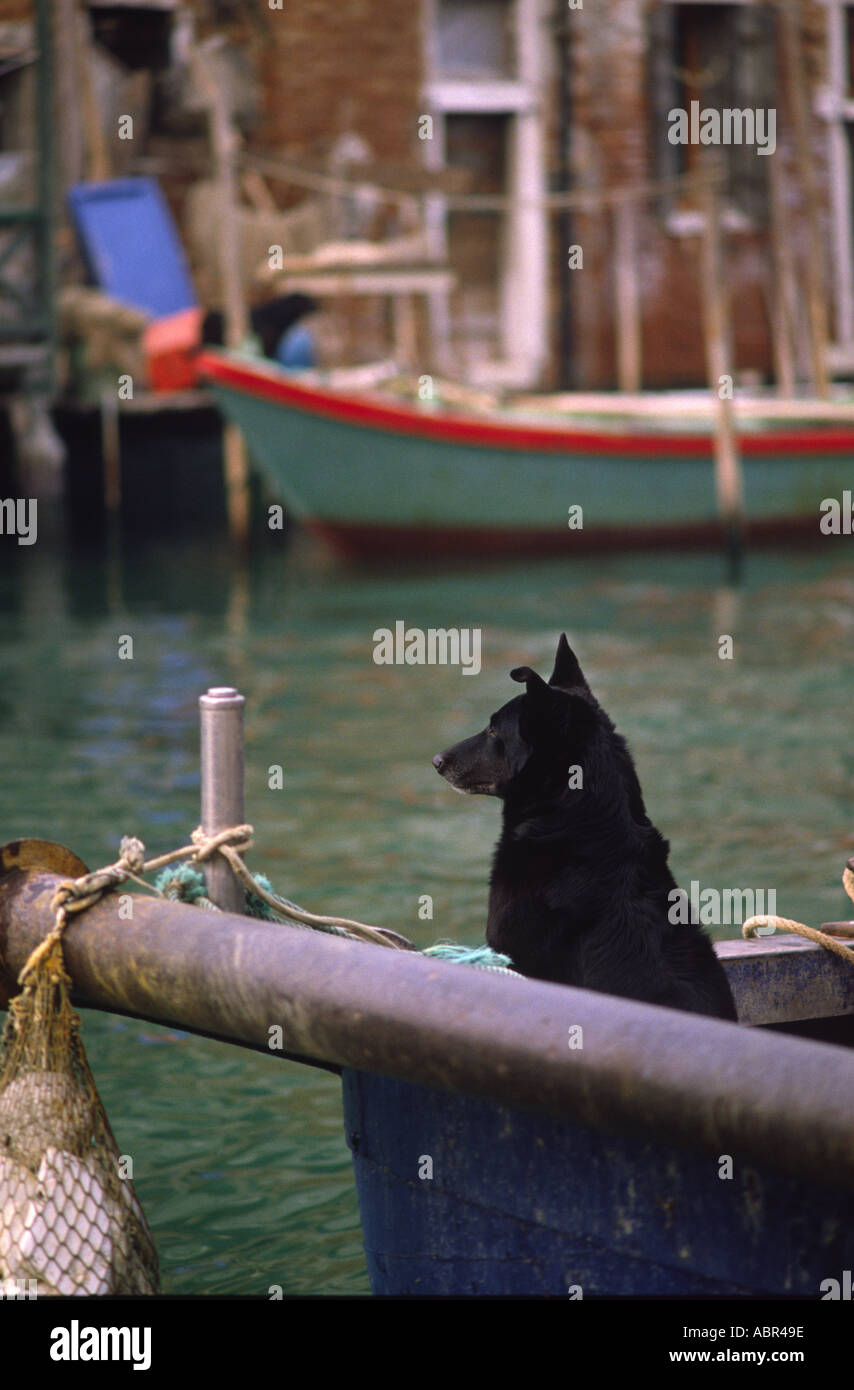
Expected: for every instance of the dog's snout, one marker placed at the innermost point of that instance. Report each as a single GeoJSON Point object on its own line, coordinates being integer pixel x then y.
{"type": "Point", "coordinates": [438, 762]}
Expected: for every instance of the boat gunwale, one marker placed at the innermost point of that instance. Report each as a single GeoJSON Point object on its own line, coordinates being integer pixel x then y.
{"type": "Point", "coordinates": [263, 381]}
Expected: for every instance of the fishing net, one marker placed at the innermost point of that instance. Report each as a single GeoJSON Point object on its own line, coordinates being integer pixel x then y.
{"type": "Point", "coordinates": [68, 1219]}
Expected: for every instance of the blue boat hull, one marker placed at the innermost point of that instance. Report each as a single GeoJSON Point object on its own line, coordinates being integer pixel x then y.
{"type": "Point", "coordinates": [521, 1204]}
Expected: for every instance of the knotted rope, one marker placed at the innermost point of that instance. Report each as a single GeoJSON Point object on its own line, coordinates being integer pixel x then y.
{"type": "Point", "coordinates": [749, 928]}
{"type": "Point", "coordinates": [76, 895]}
{"type": "Point", "coordinates": [205, 846]}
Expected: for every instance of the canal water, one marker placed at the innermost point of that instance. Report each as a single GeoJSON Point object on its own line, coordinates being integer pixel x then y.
{"type": "Point", "coordinates": [747, 766]}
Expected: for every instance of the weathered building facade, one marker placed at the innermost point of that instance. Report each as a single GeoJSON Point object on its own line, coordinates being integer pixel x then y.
{"type": "Point", "coordinates": [531, 97]}
{"type": "Point", "coordinates": [527, 100]}
{"type": "Point", "coordinates": [632, 63]}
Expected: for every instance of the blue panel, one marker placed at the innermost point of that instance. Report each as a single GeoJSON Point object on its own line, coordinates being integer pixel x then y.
{"type": "Point", "coordinates": [520, 1203]}
{"type": "Point", "coordinates": [131, 246]}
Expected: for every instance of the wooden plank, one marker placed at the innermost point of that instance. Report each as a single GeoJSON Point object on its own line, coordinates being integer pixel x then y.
{"type": "Point", "coordinates": [366, 281]}
{"type": "Point", "coordinates": [97, 147]}
{"type": "Point", "coordinates": [403, 252]}
{"type": "Point", "coordinates": [667, 405]}
{"type": "Point", "coordinates": [786, 979]}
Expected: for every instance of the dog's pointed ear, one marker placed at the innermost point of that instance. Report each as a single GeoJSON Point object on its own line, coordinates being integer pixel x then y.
{"type": "Point", "coordinates": [567, 674]}
{"type": "Point", "coordinates": [535, 686]}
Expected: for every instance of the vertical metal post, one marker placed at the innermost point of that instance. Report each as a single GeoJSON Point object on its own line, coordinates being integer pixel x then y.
{"type": "Point", "coordinates": [221, 714]}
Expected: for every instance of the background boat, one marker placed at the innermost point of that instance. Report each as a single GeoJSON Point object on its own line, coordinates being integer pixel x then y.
{"type": "Point", "coordinates": [374, 476]}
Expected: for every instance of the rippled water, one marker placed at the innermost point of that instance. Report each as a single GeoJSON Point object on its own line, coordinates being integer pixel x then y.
{"type": "Point", "coordinates": [747, 766]}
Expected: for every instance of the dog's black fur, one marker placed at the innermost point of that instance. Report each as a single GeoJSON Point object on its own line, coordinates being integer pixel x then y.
{"type": "Point", "coordinates": [580, 880]}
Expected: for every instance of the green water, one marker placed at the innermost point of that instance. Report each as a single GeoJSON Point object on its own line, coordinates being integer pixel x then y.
{"type": "Point", "coordinates": [747, 766]}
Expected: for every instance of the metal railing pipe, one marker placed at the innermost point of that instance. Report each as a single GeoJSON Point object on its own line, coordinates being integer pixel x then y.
{"type": "Point", "coordinates": [674, 1077]}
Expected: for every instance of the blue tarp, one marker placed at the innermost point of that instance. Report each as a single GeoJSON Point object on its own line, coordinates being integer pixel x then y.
{"type": "Point", "coordinates": [132, 248]}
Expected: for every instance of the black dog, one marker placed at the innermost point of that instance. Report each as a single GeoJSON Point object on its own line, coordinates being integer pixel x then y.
{"type": "Point", "coordinates": [580, 884]}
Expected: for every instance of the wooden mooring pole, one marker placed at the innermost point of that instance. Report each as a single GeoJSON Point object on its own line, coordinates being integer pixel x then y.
{"type": "Point", "coordinates": [799, 111]}
{"type": "Point", "coordinates": [717, 332]}
{"type": "Point", "coordinates": [784, 289]}
{"type": "Point", "coordinates": [628, 319]}
{"type": "Point", "coordinates": [111, 454]}
{"type": "Point", "coordinates": [223, 141]}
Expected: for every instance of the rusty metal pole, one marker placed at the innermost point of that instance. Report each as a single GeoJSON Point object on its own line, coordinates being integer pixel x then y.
{"type": "Point", "coordinates": [668, 1076]}
{"type": "Point", "coordinates": [221, 714]}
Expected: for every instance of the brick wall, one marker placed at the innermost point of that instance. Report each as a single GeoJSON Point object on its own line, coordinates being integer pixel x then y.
{"type": "Point", "coordinates": [334, 66]}
{"type": "Point", "coordinates": [326, 68]}
{"type": "Point", "coordinates": [611, 118]}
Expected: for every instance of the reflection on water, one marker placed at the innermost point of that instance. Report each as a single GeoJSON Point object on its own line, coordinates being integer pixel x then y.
{"type": "Point", "coordinates": [747, 766]}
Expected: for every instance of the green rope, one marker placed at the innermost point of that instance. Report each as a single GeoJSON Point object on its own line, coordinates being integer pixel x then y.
{"type": "Point", "coordinates": [186, 883]}
{"type": "Point", "coordinates": [482, 957]}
